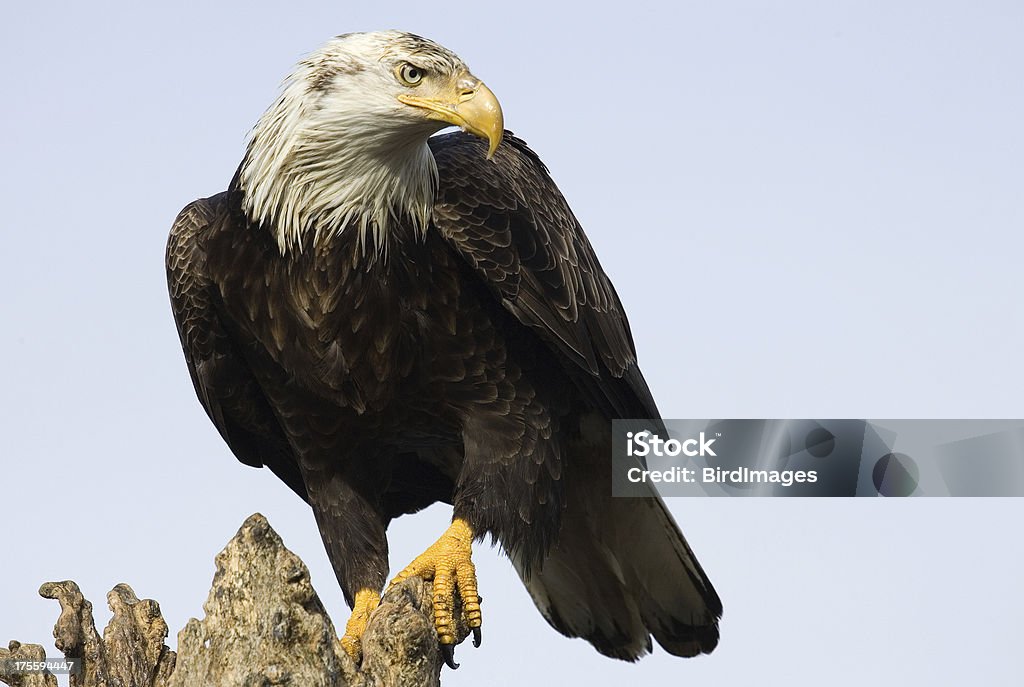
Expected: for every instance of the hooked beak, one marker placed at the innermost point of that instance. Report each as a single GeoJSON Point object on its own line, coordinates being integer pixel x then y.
{"type": "Point", "coordinates": [469, 104]}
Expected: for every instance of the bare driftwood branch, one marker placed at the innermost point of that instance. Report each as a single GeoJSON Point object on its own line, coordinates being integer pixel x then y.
{"type": "Point", "coordinates": [264, 625]}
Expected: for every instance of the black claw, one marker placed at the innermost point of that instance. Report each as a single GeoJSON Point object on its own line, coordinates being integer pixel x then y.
{"type": "Point", "coordinates": [478, 637]}
{"type": "Point", "coordinates": [448, 651]}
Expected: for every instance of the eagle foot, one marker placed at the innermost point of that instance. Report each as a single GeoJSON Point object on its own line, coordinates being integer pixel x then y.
{"type": "Point", "coordinates": [447, 563]}
{"type": "Point", "coordinates": [365, 603]}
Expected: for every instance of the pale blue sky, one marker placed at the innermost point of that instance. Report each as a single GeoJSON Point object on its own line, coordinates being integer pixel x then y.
{"type": "Point", "coordinates": [809, 209]}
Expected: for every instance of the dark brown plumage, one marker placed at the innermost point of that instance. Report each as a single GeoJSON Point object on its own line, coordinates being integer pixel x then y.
{"type": "Point", "coordinates": [479, 365]}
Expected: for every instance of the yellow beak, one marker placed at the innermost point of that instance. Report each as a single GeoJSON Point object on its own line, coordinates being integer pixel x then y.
{"type": "Point", "coordinates": [468, 104]}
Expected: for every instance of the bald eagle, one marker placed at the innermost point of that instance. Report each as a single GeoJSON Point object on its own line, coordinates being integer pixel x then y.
{"type": "Point", "coordinates": [387, 319]}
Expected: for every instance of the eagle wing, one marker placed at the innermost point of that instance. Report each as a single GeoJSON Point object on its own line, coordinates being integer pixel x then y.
{"type": "Point", "coordinates": [621, 570]}
{"type": "Point", "coordinates": [508, 220]}
{"type": "Point", "coordinates": [223, 381]}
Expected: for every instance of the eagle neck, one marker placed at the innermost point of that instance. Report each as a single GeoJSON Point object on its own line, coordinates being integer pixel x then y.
{"type": "Point", "coordinates": [307, 184]}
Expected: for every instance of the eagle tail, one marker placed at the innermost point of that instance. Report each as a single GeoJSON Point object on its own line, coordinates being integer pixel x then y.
{"type": "Point", "coordinates": [621, 572]}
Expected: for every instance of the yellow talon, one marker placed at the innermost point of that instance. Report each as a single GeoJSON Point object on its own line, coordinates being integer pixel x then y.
{"type": "Point", "coordinates": [366, 602]}
{"type": "Point", "coordinates": [447, 562]}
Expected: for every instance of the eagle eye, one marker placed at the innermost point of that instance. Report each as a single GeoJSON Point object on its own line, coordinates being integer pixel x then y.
{"type": "Point", "coordinates": [410, 74]}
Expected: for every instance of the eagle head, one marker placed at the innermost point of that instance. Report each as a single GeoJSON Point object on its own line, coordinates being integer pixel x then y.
{"type": "Point", "coordinates": [345, 144]}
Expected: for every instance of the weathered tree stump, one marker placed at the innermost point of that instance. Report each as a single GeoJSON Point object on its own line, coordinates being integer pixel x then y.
{"type": "Point", "coordinates": [264, 625]}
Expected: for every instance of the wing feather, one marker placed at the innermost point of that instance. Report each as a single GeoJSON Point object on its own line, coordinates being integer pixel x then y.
{"type": "Point", "coordinates": [509, 221]}
{"type": "Point", "coordinates": [223, 382]}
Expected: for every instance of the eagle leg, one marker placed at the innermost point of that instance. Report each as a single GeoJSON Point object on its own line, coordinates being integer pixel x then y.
{"type": "Point", "coordinates": [448, 564]}
{"type": "Point", "coordinates": [366, 601]}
